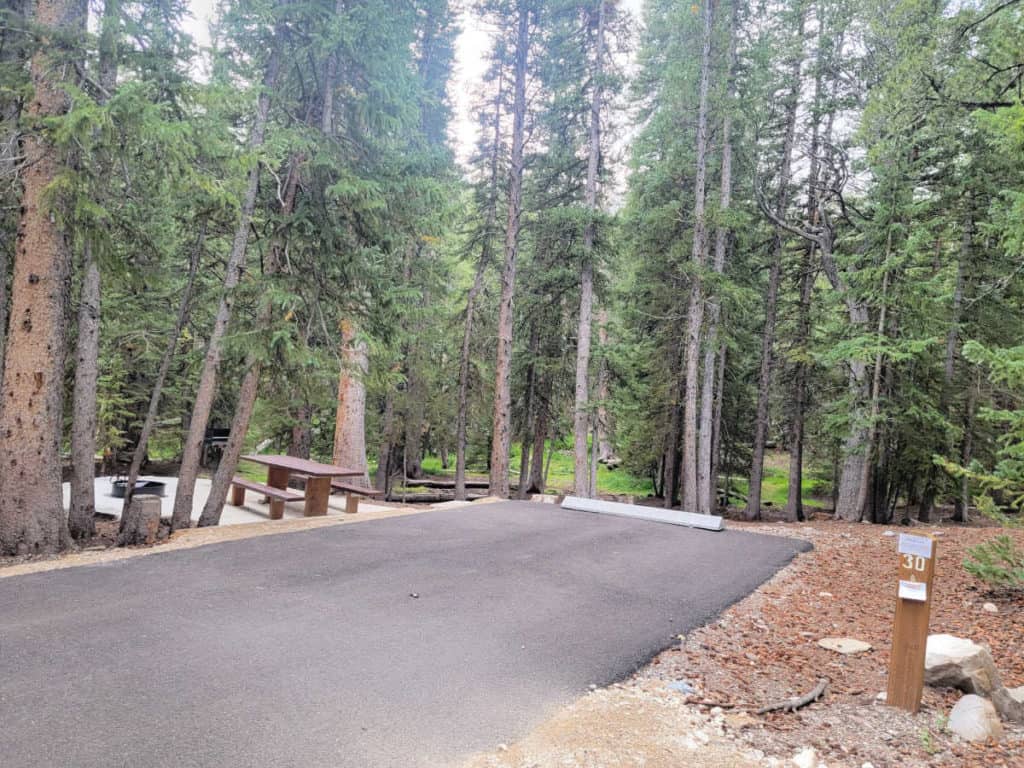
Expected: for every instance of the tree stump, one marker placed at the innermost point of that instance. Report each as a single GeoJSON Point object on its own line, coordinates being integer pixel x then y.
{"type": "Point", "coordinates": [142, 522]}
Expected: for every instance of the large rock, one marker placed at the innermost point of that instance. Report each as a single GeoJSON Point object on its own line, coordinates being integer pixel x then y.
{"type": "Point", "coordinates": [975, 719]}
{"type": "Point", "coordinates": [955, 662]}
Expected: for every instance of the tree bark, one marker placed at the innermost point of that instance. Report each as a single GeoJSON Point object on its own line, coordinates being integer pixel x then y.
{"type": "Point", "coordinates": [221, 483]}
{"type": "Point", "coordinates": [350, 422]}
{"type": "Point", "coordinates": [707, 476]}
{"type": "Point", "coordinates": [689, 489]}
{"type": "Point", "coordinates": [189, 470]}
{"type": "Point", "coordinates": [753, 510]}
{"type": "Point", "coordinates": [32, 516]}
{"type": "Point", "coordinates": [165, 364]}
{"type": "Point", "coordinates": [502, 436]}
{"type": "Point", "coordinates": [81, 522]}
{"type": "Point", "coordinates": [581, 410]}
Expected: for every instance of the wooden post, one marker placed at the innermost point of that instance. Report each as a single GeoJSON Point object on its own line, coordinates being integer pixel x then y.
{"type": "Point", "coordinates": [237, 495]}
{"type": "Point", "coordinates": [910, 629]}
{"type": "Point", "coordinates": [351, 503]}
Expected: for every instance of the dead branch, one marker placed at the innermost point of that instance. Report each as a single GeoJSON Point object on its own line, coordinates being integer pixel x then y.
{"type": "Point", "coordinates": [792, 705]}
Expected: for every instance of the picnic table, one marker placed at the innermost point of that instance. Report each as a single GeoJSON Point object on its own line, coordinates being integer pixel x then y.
{"type": "Point", "coordinates": [318, 481]}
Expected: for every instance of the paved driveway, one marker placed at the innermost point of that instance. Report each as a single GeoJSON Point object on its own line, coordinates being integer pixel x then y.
{"type": "Point", "coordinates": [404, 642]}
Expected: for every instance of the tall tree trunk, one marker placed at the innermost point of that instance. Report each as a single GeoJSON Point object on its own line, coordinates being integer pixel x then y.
{"type": "Point", "coordinates": [536, 481]}
{"type": "Point", "coordinates": [5, 270]}
{"type": "Point", "coordinates": [581, 411]}
{"type": "Point", "coordinates": [963, 499]}
{"type": "Point", "coordinates": [189, 471]}
{"type": "Point", "coordinates": [805, 288]}
{"type": "Point", "coordinates": [501, 439]}
{"type": "Point", "coordinates": [385, 459]}
{"type": "Point", "coordinates": [690, 490]}
{"type": "Point", "coordinates": [876, 383]}
{"type": "Point", "coordinates": [301, 438]}
{"type": "Point", "coordinates": [924, 510]}
{"type": "Point", "coordinates": [529, 414]}
{"type": "Point", "coordinates": [31, 506]}
{"type": "Point", "coordinates": [165, 365]}
{"type": "Point", "coordinates": [764, 382]}
{"type": "Point", "coordinates": [13, 55]}
{"type": "Point", "coordinates": [716, 426]}
{"type": "Point", "coordinates": [675, 425]}
{"type": "Point", "coordinates": [350, 422]}
{"type": "Point", "coordinates": [81, 521]}
{"type": "Point", "coordinates": [605, 447]}
{"type": "Point", "coordinates": [221, 483]}
{"type": "Point", "coordinates": [707, 477]}
{"type": "Point", "coordinates": [462, 408]}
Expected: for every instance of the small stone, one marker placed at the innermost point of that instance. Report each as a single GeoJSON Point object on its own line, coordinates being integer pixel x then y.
{"type": "Point", "coordinates": [806, 758]}
{"type": "Point", "coordinates": [881, 696]}
{"type": "Point", "coordinates": [975, 719]}
{"type": "Point", "coordinates": [716, 711]}
{"type": "Point", "coordinates": [889, 534]}
{"type": "Point", "coordinates": [866, 765]}
{"type": "Point", "coordinates": [681, 686]}
{"type": "Point", "coordinates": [825, 594]}
{"type": "Point", "coordinates": [990, 608]}
{"type": "Point", "coordinates": [844, 645]}
{"type": "Point", "coordinates": [592, 687]}
{"type": "Point", "coordinates": [503, 747]}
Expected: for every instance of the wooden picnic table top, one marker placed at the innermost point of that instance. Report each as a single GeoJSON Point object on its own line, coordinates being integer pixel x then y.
{"type": "Point", "coordinates": [303, 466]}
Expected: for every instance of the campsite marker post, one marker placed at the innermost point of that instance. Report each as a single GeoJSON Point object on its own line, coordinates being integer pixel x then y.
{"type": "Point", "coordinates": [910, 629]}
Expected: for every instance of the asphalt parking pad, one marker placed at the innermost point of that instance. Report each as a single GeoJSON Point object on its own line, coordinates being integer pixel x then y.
{"type": "Point", "coordinates": [404, 642]}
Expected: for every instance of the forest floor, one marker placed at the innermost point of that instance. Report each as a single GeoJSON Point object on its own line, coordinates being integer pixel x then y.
{"type": "Point", "coordinates": [764, 650]}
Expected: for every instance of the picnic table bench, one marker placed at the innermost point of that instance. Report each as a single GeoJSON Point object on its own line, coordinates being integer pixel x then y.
{"type": "Point", "coordinates": [352, 494]}
{"type": "Point", "coordinates": [279, 470]}
{"type": "Point", "coordinates": [277, 496]}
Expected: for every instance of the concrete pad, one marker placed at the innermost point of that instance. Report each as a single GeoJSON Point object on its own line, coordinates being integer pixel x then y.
{"type": "Point", "coordinates": [254, 511]}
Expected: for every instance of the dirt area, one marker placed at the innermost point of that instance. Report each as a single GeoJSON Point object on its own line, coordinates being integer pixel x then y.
{"type": "Point", "coordinates": [764, 649]}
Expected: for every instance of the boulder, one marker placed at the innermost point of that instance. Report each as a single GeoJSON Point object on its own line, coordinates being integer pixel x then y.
{"type": "Point", "coordinates": [955, 662]}
{"type": "Point", "coordinates": [975, 719]}
{"type": "Point", "coordinates": [1017, 694]}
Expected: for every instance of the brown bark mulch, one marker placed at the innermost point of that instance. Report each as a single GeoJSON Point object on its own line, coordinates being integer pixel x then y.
{"type": "Point", "coordinates": [764, 649]}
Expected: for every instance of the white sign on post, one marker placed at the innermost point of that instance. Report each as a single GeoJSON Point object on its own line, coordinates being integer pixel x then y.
{"type": "Point", "coordinates": [913, 590]}
{"type": "Point", "coordinates": [919, 546]}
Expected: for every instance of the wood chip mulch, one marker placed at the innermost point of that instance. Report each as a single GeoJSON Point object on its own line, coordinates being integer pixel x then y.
{"type": "Point", "coordinates": [764, 650]}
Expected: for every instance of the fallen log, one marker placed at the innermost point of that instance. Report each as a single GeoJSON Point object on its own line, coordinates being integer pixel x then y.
{"type": "Point", "coordinates": [795, 703]}
{"type": "Point", "coordinates": [428, 498]}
